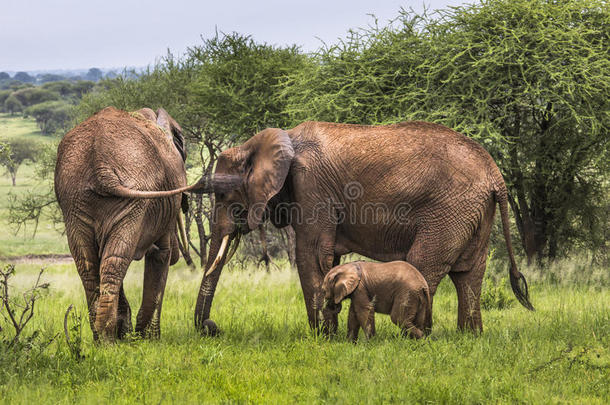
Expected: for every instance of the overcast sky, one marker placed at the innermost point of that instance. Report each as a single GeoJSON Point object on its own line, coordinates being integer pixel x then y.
{"type": "Point", "coordinates": [74, 34]}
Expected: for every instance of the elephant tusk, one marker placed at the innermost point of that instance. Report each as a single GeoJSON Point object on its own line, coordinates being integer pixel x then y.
{"type": "Point", "coordinates": [234, 246]}
{"type": "Point", "coordinates": [182, 232]}
{"type": "Point", "coordinates": [219, 256]}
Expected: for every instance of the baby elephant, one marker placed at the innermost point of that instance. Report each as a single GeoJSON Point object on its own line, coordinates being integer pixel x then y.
{"type": "Point", "coordinates": [394, 288]}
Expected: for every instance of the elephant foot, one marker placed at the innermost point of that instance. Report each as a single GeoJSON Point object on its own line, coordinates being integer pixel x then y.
{"type": "Point", "coordinates": [123, 328]}
{"type": "Point", "coordinates": [413, 333]}
{"type": "Point", "coordinates": [209, 328]}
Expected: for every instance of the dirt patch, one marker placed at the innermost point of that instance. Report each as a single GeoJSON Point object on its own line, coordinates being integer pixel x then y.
{"type": "Point", "coordinates": [44, 259]}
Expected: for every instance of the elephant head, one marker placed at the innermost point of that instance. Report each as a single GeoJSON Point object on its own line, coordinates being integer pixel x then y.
{"type": "Point", "coordinates": [262, 163]}
{"type": "Point", "coordinates": [340, 282]}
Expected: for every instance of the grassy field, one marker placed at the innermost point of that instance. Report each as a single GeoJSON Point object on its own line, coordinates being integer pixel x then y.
{"type": "Point", "coordinates": [12, 243]}
{"type": "Point", "coordinates": [558, 354]}
{"type": "Point", "coordinates": [12, 126]}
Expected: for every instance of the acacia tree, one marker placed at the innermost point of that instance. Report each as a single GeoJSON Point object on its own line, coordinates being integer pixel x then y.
{"type": "Point", "coordinates": [12, 105]}
{"type": "Point", "coordinates": [51, 116]}
{"type": "Point", "coordinates": [14, 153]}
{"type": "Point", "coordinates": [534, 75]}
{"type": "Point", "coordinates": [527, 79]}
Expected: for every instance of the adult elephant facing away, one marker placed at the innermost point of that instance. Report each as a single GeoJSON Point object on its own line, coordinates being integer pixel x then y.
{"type": "Point", "coordinates": [105, 167]}
{"type": "Point", "coordinates": [414, 191]}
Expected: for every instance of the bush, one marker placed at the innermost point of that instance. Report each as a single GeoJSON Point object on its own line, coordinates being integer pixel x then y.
{"type": "Point", "coordinates": [495, 293]}
{"type": "Point", "coordinates": [4, 94]}
{"type": "Point", "coordinates": [15, 152]}
{"type": "Point", "coordinates": [12, 105]}
{"type": "Point", "coordinates": [17, 313]}
{"type": "Point", "coordinates": [34, 95]}
{"type": "Point", "coordinates": [51, 116]}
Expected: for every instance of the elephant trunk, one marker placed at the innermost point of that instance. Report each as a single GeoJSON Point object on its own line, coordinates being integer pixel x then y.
{"type": "Point", "coordinates": [216, 258]}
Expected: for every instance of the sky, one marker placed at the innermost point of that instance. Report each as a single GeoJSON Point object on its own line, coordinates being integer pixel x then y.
{"type": "Point", "coordinates": [78, 34]}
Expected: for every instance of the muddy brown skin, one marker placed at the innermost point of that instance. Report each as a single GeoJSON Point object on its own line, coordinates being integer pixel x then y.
{"type": "Point", "coordinates": [394, 288]}
{"type": "Point", "coordinates": [110, 154]}
{"type": "Point", "coordinates": [444, 185]}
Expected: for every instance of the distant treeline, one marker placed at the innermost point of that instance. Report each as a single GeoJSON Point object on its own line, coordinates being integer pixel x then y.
{"type": "Point", "coordinates": [93, 75]}
{"type": "Point", "coordinates": [527, 79]}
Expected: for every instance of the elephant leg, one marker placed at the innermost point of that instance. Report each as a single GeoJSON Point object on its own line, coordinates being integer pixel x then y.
{"type": "Point", "coordinates": [311, 283]}
{"type": "Point", "coordinates": [353, 326]}
{"type": "Point", "coordinates": [124, 325]}
{"type": "Point", "coordinates": [429, 261]}
{"type": "Point", "coordinates": [469, 307]}
{"type": "Point", "coordinates": [314, 259]}
{"type": "Point", "coordinates": [112, 272]}
{"type": "Point", "coordinates": [366, 319]}
{"type": "Point", "coordinates": [156, 267]}
{"type": "Point", "coordinates": [468, 287]}
{"type": "Point", "coordinates": [83, 248]}
{"type": "Point", "coordinates": [117, 255]}
{"type": "Point", "coordinates": [467, 277]}
{"type": "Point", "coordinates": [404, 315]}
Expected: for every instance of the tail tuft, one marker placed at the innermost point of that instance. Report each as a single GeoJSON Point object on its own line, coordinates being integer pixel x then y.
{"type": "Point", "coordinates": [519, 286]}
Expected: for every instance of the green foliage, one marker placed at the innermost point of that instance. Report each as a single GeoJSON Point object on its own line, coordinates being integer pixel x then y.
{"type": "Point", "coordinates": [12, 105]}
{"type": "Point", "coordinates": [17, 150]}
{"type": "Point", "coordinates": [74, 332]}
{"type": "Point", "coordinates": [51, 116]}
{"type": "Point", "coordinates": [34, 95]}
{"type": "Point", "coordinates": [24, 77]}
{"type": "Point", "coordinates": [4, 94]}
{"type": "Point", "coordinates": [371, 77]}
{"type": "Point", "coordinates": [64, 88]}
{"type": "Point", "coordinates": [50, 77]}
{"type": "Point", "coordinates": [13, 85]}
{"type": "Point", "coordinates": [237, 83]}
{"type": "Point", "coordinates": [81, 87]}
{"type": "Point", "coordinates": [16, 313]}
{"type": "Point", "coordinates": [495, 294]}
{"type": "Point", "coordinates": [94, 74]}
{"type": "Point", "coordinates": [533, 75]}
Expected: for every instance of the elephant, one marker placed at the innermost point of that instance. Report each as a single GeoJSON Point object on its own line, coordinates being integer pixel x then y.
{"type": "Point", "coordinates": [107, 176]}
{"type": "Point", "coordinates": [394, 288]}
{"type": "Point", "coordinates": [414, 191]}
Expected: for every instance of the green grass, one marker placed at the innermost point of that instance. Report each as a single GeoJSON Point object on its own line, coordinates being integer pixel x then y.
{"type": "Point", "coordinates": [266, 353]}
{"type": "Point", "coordinates": [12, 126]}
{"type": "Point", "coordinates": [46, 240]}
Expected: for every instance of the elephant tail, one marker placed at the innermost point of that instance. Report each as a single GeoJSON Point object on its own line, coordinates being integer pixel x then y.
{"type": "Point", "coordinates": [517, 280]}
{"type": "Point", "coordinates": [207, 184]}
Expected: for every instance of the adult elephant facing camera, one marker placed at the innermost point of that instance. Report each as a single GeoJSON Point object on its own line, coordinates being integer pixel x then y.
{"type": "Point", "coordinates": [413, 191]}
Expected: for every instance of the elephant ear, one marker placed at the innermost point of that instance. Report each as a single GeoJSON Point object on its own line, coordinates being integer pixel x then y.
{"type": "Point", "coordinates": [268, 156]}
{"type": "Point", "coordinates": [346, 282]}
{"type": "Point", "coordinates": [171, 127]}
{"type": "Point", "coordinates": [148, 114]}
